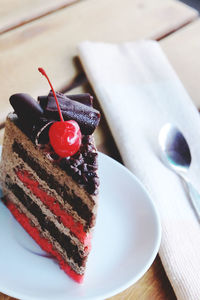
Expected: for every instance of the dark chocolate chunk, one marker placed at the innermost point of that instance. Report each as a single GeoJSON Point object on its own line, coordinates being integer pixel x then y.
{"type": "Point", "coordinates": [26, 107]}
{"type": "Point", "coordinates": [43, 101]}
{"type": "Point", "coordinates": [87, 117]}
{"type": "Point", "coordinates": [86, 98]}
{"type": "Point", "coordinates": [85, 139]}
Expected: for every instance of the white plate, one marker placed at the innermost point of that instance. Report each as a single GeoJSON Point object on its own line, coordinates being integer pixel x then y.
{"type": "Point", "coordinates": [125, 243]}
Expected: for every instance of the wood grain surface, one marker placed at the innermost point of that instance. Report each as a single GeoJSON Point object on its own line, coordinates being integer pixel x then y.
{"type": "Point", "coordinates": [14, 13]}
{"type": "Point", "coordinates": [51, 42]}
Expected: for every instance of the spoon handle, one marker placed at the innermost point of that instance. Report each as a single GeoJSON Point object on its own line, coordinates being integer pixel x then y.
{"type": "Point", "coordinates": [195, 198]}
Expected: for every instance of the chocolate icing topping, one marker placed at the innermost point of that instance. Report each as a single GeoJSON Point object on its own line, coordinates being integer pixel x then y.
{"type": "Point", "coordinates": [75, 107]}
{"type": "Point", "coordinates": [85, 98]}
{"type": "Point", "coordinates": [86, 116]}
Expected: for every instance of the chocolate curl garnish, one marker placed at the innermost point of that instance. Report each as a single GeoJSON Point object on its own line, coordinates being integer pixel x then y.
{"type": "Point", "coordinates": [28, 111]}
{"type": "Point", "coordinates": [26, 107]}
{"type": "Point", "coordinates": [86, 116]}
{"type": "Point", "coordinates": [84, 98]}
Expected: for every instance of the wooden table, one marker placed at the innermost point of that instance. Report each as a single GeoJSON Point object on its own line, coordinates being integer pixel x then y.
{"type": "Point", "coordinates": [42, 33]}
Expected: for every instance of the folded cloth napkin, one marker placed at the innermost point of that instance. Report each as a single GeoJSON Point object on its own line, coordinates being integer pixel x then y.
{"type": "Point", "coordinates": [139, 92]}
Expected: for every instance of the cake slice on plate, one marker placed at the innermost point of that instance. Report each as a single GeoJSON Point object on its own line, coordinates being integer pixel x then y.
{"type": "Point", "coordinates": [49, 174]}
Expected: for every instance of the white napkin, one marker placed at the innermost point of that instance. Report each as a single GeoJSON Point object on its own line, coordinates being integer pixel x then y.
{"type": "Point", "coordinates": [139, 92]}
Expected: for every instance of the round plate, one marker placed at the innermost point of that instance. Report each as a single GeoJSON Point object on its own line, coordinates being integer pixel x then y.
{"type": "Point", "coordinates": [125, 242]}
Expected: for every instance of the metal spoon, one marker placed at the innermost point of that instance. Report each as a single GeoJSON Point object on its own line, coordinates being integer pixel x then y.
{"type": "Point", "coordinates": [176, 155]}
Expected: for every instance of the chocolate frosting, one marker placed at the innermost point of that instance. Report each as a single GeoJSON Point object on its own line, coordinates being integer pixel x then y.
{"type": "Point", "coordinates": [75, 107]}
{"type": "Point", "coordinates": [86, 116]}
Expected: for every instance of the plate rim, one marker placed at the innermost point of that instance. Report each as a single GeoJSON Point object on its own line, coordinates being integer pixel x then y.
{"type": "Point", "coordinates": [149, 262]}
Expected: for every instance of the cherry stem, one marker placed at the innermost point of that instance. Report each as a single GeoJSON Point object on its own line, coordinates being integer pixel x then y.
{"type": "Point", "coordinates": [42, 71]}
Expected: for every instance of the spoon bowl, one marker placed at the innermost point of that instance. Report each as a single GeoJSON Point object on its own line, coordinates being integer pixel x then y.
{"type": "Point", "coordinates": [175, 149]}
{"type": "Point", "coordinates": [176, 155]}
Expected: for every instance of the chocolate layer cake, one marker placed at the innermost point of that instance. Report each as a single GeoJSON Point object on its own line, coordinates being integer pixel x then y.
{"type": "Point", "coordinates": [54, 198]}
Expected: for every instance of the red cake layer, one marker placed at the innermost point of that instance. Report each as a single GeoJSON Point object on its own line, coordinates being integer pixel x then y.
{"type": "Point", "coordinates": [44, 243]}
{"type": "Point", "coordinates": [75, 227]}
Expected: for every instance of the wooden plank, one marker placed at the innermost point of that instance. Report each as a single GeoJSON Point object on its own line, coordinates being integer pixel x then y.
{"type": "Point", "coordinates": [183, 49]}
{"type": "Point", "coordinates": [4, 297]}
{"type": "Point", "coordinates": [51, 42]}
{"type": "Point", "coordinates": [16, 13]}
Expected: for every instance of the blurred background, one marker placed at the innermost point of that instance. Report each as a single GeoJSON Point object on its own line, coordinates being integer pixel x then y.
{"type": "Point", "coordinates": [45, 33]}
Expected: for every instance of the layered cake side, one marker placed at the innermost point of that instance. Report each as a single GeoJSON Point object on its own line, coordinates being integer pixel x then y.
{"type": "Point", "coordinates": [54, 198]}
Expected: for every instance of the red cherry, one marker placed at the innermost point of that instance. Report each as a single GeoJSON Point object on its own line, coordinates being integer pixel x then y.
{"type": "Point", "coordinates": [65, 137]}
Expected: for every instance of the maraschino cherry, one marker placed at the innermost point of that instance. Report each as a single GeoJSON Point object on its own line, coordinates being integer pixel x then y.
{"type": "Point", "coordinates": [64, 136]}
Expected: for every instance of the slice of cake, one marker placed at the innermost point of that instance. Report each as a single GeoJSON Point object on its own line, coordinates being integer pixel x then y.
{"type": "Point", "coordinates": [51, 193]}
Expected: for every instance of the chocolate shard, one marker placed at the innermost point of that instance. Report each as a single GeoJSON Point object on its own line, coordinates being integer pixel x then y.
{"type": "Point", "coordinates": [85, 98]}
{"type": "Point", "coordinates": [87, 117]}
{"type": "Point", "coordinates": [43, 101]}
{"type": "Point", "coordinates": [26, 107]}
